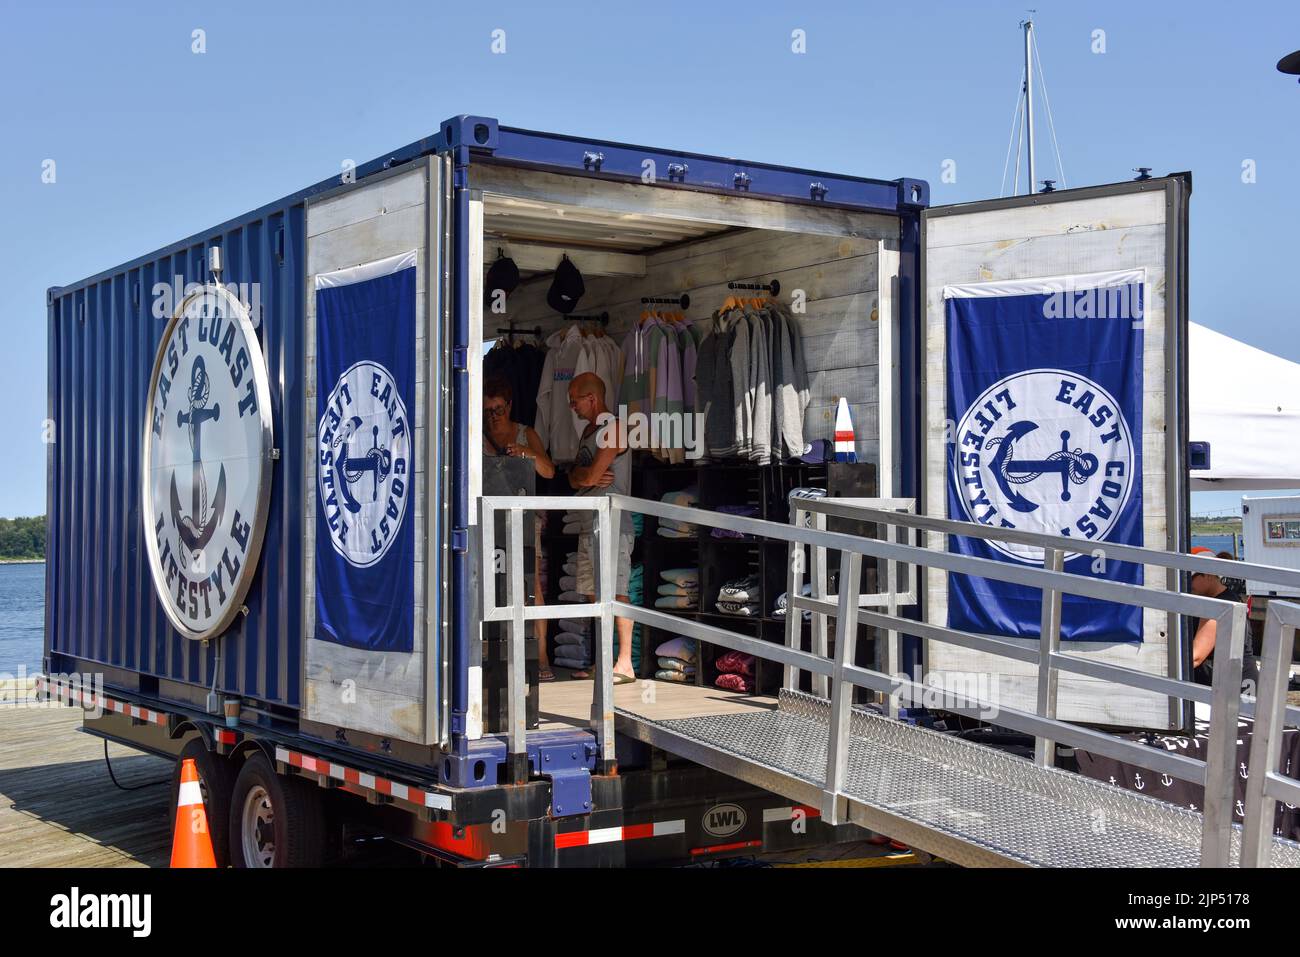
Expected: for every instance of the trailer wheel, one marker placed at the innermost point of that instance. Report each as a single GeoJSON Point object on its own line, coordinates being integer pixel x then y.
{"type": "Point", "coordinates": [216, 781]}
{"type": "Point", "coordinates": [275, 820]}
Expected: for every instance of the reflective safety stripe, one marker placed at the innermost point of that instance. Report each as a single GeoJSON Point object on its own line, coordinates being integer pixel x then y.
{"type": "Point", "coordinates": [771, 814]}
{"type": "Point", "coordinates": [611, 835]}
{"type": "Point", "coordinates": [364, 782]}
{"type": "Point", "coordinates": [189, 794]}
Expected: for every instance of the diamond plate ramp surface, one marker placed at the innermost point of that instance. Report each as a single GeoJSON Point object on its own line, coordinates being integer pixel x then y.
{"type": "Point", "coordinates": [970, 793]}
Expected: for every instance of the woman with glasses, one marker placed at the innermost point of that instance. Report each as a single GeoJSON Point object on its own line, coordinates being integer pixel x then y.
{"type": "Point", "coordinates": [503, 436]}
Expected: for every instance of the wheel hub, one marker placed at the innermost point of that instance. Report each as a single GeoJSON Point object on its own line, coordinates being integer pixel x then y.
{"type": "Point", "coordinates": [257, 830]}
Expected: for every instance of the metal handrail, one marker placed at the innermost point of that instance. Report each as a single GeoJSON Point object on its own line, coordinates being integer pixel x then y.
{"type": "Point", "coordinates": [515, 612]}
{"type": "Point", "coordinates": [1273, 574]}
{"type": "Point", "coordinates": [1215, 772]}
{"type": "Point", "coordinates": [1266, 786]}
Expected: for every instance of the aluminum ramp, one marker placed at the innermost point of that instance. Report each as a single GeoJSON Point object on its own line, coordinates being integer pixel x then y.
{"type": "Point", "coordinates": [967, 803]}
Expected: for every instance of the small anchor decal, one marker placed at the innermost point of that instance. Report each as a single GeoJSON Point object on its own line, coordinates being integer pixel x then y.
{"type": "Point", "coordinates": [1242, 770]}
{"type": "Point", "coordinates": [1166, 780]}
{"type": "Point", "coordinates": [1138, 782]}
{"type": "Point", "coordinates": [1241, 811]}
{"type": "Point", "coordinates": [1112, 779]}
{"type": "Point", "coordinates": [1072, 466]}
{"type": "Point", "coordinates": [197, 528]}
{"type": "Point", "coordinates": [378, 461]}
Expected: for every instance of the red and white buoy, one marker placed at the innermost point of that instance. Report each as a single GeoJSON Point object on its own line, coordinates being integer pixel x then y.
{"type": "Point", "coordinates": [845, 450]}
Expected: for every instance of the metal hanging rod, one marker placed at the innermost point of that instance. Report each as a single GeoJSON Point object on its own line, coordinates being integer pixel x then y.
{"type": "Point", "coordinates": [683, 300]}
{"type": "Point", "coordinates": [772, 288]}
{"type": "Point", "coordinates": [602, 318]}
{"type": "Point", "coordinates": [512, 331]}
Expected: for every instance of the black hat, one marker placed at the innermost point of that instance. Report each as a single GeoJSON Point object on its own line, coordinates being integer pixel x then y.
{"type": "Point", "coordinates": [502, 274]}
{"type": "Point", "coordinates": [566, 288]}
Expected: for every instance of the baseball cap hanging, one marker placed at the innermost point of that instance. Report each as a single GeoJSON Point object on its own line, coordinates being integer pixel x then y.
{"type": "Point", "coordinates": [502, 274]}
{"type": "Point", "coordinates": [566, 288]}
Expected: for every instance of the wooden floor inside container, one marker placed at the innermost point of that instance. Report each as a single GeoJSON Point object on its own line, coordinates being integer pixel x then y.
{"type": "Point", "coordinates": [58, 806]}
{"type": "Point", "coordinates": [567, 703]}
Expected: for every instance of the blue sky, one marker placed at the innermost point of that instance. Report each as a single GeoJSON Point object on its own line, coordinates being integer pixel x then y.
{"type": "Point", "coordinates": [293, 89]}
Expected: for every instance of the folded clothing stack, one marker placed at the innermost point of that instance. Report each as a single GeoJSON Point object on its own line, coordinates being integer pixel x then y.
{"type": "Point", "coordinates": [804, 493]}
{"type": "Point", "coordinates": [676, 659]}
{"type": "Point", "coordinates": [680, 591]}
{"type": "Point", "coordinates": [736, 671]}
{"type": "Point", "coordinates": [739, 597]}
{"type": "Point", "coordinates": [783, 600]}
{"type": "Point", "coordinates": [783, 603]}
{"type": "Point", "coordinates": [571, 647]}
{"type": "Point", "coordinates": [670, 528]}
{"type": "Point", "coordinates": [578, 522]}
{"type": "Point", "coordinates": [582, 522]}
{"type": "Point", "coordinates": [747, 510]}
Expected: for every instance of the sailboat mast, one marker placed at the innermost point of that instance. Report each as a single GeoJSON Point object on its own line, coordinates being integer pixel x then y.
{"type": "Point", "coordinates": [1029, 98]}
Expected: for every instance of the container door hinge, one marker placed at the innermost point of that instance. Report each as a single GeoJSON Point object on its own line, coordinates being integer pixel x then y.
{"type": "Point", "coordinates": [460, 358]}
{"type": "Point", "coordinates": [460, 539]}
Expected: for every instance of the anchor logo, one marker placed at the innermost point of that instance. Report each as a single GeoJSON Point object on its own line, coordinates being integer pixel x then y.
{"type": "Point", "coordinates": [1052, 427]}
{"type": "Point", "coordinates": [364, 445]}
{"type": "Point", "coordinates": [1073, 466]}
{"type": "Point", "coordinates": [1166, 780]}
{"type": "Point", "coordinates": [1138, 782]}
{"type": "Point", "coordinates": [196, 529]}
{"type": "Point", "coordinates": [378, 461]}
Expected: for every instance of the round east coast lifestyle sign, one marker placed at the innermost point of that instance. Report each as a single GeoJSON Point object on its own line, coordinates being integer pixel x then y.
{"type": "Point", "coordinates": [207, 462]}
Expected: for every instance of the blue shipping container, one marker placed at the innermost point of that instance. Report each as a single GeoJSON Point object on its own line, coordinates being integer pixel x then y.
{"type": "Point", "coordinates": [102, 613]}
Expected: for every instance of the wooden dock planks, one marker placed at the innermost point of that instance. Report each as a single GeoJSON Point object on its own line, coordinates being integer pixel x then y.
{"type": "Point", "coordinates": [58, 806]}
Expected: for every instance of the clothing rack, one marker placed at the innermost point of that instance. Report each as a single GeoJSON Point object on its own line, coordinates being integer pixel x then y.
{"type": "Point", "coordinates": [684, 300]}
{"type": "Point", "coordinates": [772, 288]}
{"type": "Point", "coordinates": [512, 331]}
{"type": "Point", "coordinates": [602, 318]}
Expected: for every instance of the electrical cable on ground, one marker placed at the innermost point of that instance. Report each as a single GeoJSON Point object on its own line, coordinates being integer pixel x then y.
{"type": "Point", "coordinates": [136, 787]}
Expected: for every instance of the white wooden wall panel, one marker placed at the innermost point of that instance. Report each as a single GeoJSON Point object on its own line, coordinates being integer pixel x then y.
{"type": "Point", "coordinates": [1090, 235]}
{"type": "Point", "coordinates": [376, 692]}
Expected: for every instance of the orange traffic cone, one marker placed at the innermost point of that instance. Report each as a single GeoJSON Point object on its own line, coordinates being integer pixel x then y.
{"type": "Point", "coordinates": [192, 842]}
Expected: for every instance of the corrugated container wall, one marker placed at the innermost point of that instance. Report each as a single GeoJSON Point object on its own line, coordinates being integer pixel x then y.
{"type": "Point", "coordinates": [101, 605]}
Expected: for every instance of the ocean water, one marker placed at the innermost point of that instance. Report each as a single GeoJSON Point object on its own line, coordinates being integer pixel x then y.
{"type": "Point", "coordinates": [22, 617]}
{"type": "Point", "coordinates": [1217, 543]}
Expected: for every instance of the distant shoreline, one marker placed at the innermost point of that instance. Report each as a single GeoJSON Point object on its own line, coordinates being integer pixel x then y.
{"type": "Point", "coordinates": [22, 561]}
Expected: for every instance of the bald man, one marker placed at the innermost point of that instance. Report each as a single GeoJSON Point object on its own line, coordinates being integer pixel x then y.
{"type": "Point", "coordinates": [603, 465]}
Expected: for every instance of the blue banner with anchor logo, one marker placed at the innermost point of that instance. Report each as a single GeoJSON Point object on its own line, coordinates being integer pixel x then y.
{"type": "Point", "coordinates": [1044, 390]}
{"type": "Point", "coordinates": [365, 455]}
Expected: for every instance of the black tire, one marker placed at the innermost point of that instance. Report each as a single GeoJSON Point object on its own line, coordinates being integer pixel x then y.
{"type": "Point", "coordinates": [292, 829]}
{"type": "Point", "coordinates": [217, 781]}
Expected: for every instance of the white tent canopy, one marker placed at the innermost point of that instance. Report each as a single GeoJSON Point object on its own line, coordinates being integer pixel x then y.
{"type": "Point", "coordinates": [1246, 403]}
